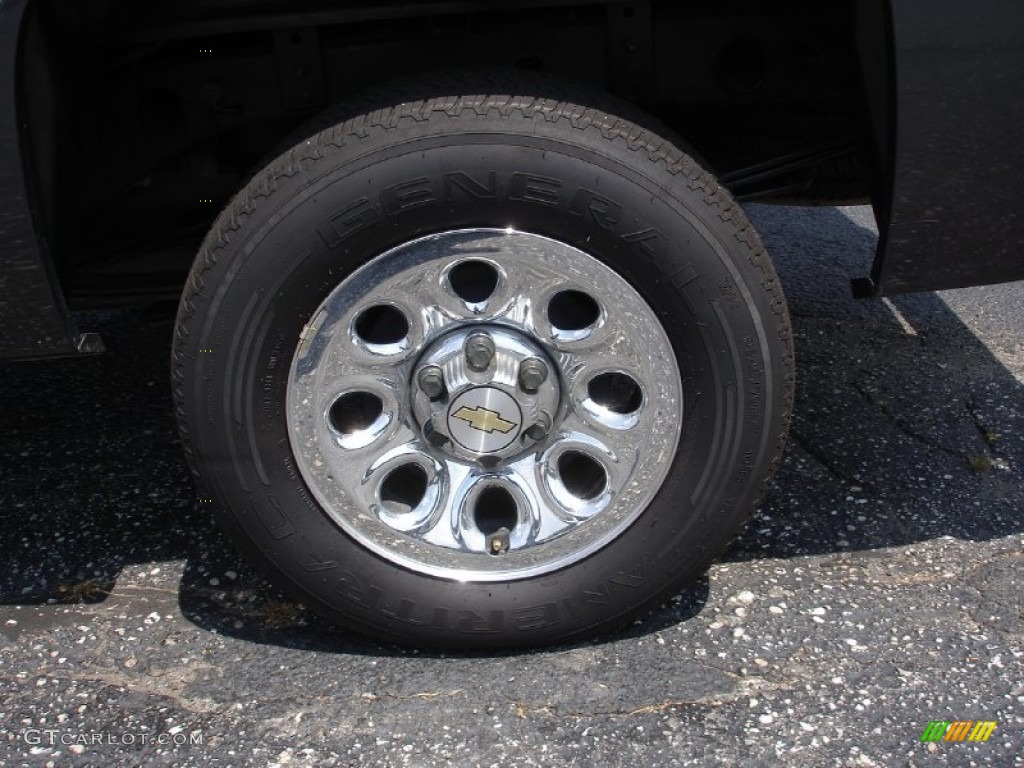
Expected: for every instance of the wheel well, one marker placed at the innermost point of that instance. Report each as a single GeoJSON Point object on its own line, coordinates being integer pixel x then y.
{"type": "Point", "coordinates": [144, 120]}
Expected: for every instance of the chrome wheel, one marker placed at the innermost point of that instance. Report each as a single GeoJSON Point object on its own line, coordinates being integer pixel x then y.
{"type": "Point", "coordinates": [484, 405]}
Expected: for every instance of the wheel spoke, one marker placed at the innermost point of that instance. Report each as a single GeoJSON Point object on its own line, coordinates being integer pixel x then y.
{"type": "Point", "coordinates": [362, 469]}
{"type": "Point", "coordinates": [586, 466]}
{"type": "Point", "coordinates": [547, 518]}
{"type": "Point", "coordinates": [484, 507]}
{"type": "Point", "coordinates": [620, 449]}
{"type": "Point", "coordinates": [445, 529]}
{"type": "Point", "coordinates": [518, 298]}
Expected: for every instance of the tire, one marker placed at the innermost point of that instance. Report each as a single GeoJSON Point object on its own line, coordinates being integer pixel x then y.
{"type": "Point", "coordinates": [489, 361]}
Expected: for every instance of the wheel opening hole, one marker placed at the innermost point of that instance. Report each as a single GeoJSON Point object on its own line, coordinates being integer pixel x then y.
{"type": "Point", "coordinates": [617, 392]}
{"type": "Point", "coordinates": [404, 488]}
{"type": "Point", "coordinates": [573, 310]}
{"type": "Point", "coordinates": [381, 324]}
{"type": "Point", "coordinates": [354, 412]}
{"type": "Point", "coordinates": [473, 281]}
{"type": "Point", "coordinates": [495, 509]}
{"type": "Point", "coordinates": [582, 475]}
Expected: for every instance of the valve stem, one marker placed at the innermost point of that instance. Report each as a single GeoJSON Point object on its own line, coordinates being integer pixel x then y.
{"type": "Point", "coordinates": [498, 542]}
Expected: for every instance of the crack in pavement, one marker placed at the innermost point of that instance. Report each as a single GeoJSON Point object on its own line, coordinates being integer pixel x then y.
{"type": "Point", "coordinates": [897, 422]}
{"type": "Point", "coordinates": [821, 458]}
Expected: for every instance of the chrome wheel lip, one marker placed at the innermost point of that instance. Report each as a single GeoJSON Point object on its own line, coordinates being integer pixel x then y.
{"type": "Point", "coordinates": [552, 530]}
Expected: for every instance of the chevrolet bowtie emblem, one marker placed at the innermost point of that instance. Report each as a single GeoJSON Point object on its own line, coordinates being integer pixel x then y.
{"type": "Point", "coordinates": [484, 420]}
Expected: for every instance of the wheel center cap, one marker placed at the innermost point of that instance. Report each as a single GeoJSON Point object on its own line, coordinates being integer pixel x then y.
{"type": "Point", "coordinates": [484, 420]}
{"type": "Point", "coordinates": [485, 394]}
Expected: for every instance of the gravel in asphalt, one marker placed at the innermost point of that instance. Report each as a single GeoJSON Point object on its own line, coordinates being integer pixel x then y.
{"type": "Point", "coordinates": [878, 587]}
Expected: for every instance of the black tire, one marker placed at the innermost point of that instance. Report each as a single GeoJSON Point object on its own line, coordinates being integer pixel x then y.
{"type": "Point", "coordinates": [335, 201]}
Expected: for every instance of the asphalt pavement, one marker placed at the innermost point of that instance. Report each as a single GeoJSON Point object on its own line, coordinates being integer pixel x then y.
{"type": "Point", "coordinates": [878, 588]}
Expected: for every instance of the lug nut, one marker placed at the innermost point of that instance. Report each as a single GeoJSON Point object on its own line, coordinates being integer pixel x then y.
{"type": "Point", "coordinates": [479, 351]}
{"type": "Point", "coordinates": [540, 428]}
{"type": "Point", "coordinates": [431, 381]}
{"type": "Point", "coordinates": [532, 373]}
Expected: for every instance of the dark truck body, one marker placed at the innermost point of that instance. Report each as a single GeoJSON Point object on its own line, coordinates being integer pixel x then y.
{"type": "Point", "coordinates": [125, 127]}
